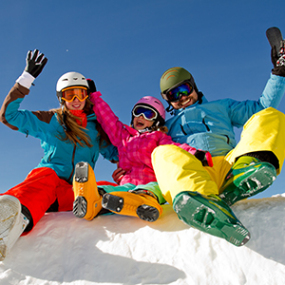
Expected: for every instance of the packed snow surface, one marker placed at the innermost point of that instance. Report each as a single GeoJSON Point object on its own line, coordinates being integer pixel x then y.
{"type": "Point", "coordinates": [113, 249]}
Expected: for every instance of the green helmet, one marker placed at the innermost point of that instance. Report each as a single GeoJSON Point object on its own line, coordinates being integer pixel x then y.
{"type": "Point", "coordinates": [173, 77]}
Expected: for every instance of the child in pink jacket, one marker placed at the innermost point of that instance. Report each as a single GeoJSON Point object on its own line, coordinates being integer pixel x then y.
{"type": "Point", "coordinates": [138, 193]}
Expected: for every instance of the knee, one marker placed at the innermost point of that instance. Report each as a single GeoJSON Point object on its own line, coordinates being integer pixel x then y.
{"type": "Point", "coordinates": [272, 113]}
{"type": "Point", "coordinates": [165, 150]}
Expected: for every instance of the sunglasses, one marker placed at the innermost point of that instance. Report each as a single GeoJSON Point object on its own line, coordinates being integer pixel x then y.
{"type": "Point", "coordinates": [147, 112]}
{"type": "Point", "coordinates": [69, 94]}
{"type": "Point", "coordinates": [176, 93]}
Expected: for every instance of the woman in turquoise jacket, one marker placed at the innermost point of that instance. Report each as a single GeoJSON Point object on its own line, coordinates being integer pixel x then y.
{"type": "Point", "coordinates": [68, 135]}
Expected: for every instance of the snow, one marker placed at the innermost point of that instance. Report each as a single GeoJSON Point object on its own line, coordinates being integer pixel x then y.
{"type": "Point", "coordinates": [113, 249]}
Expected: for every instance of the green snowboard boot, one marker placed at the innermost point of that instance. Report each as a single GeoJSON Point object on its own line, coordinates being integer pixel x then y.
{"type": "Point", "coordinates": [248, 177]}
{"type": "Point", "coordinates": [210, 215]}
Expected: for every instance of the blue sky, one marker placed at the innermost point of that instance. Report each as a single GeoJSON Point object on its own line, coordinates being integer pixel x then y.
{"type": "Point", "coordinates": [125, 46]}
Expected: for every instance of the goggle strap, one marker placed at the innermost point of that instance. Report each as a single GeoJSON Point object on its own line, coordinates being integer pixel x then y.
{"type": "Point", "coordinates": [74, 87]}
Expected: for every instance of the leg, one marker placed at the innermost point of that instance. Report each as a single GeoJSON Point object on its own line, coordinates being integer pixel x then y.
{"type": "Point", "coordinates": [88, 197]}
{"type": "Point", "coordinates": [264, 131]}
{"type": "Point", "coordinates": [140, 201]}
{"type": "Point", "coordinates": [177, 170]}
{"type": "Point", "coordinates": [22, 206]}
{"type": "Point", "coordinates": [37, 192]}
{"type": "Point", "coordinates": [258, 158]}
{"type": "Point", "coordinates": [190, 187]}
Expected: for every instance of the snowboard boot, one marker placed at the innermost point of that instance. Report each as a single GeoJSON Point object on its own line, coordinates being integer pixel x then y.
{"type": "Point", "coordinates": [139, 203]}
{"type": "Point", "coordinates": [211, 215]}
{"type": "Point", "coordinates": [248, 177]}
{"type": "Point", "coordinates": [12, 223]}
{"type": "Point", "coordinates": [87, 200]}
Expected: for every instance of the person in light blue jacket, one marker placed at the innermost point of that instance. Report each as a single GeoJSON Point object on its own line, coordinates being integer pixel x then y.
{"type": "Point", "coordinates": [210, 125]}
{"type": "Point", "coordinates": [69, 134]}
{"type": "Point", "coordinates": [201, 196]}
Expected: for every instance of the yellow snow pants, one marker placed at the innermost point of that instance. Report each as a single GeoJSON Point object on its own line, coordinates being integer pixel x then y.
{"type": "Point", "coordinates": [177, 170]}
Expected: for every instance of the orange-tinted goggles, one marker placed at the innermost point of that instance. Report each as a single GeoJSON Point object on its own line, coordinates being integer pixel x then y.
{"type": "Point", "coordinates": [69, 94]}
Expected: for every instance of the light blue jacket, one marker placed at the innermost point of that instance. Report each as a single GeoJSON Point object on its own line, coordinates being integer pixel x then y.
{"type": "Point", "coordinates": [59, 155]}
{"type": "Point", "coordinates": [210, 125]}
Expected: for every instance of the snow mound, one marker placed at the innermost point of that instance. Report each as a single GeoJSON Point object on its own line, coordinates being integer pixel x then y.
{"type": "Point", "coordinates": [114, 249]}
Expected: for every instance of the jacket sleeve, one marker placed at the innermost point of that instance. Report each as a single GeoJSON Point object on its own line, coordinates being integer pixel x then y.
{"type": "Point", "coordinates": [110, 123]}
{"type": "Point", "coordinates": [240, 112]}
{"type": "Point", "coordinates": [273, 92]}
{"type": "Point", "coordinates": [30, 123]}
{"type": "Point", "coordinates": [110, 152]}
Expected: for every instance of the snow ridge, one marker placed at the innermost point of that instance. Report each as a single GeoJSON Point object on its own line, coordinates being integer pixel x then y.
{"type": "Point", "coordinates": [113, 249]}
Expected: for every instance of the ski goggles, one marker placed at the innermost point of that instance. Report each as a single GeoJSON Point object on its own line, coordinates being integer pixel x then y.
{"type": "Point", "coordinates": [69, 94]}
{"type": "Point", "coordinates": [147, 112]}
{"type": "Point", "coordinates": [174, 95]}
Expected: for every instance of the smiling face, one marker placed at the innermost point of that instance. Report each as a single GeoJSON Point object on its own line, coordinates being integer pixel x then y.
{"type": "Point", "coordinates": [140, 123]}
{"type": "Point", "coordinates": [75, 104]}
{"type": "Point", "coordinates": [185, 101]}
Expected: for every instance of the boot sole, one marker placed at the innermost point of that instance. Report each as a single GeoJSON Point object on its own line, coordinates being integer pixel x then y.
{"type": "Point", "coordinates": [80, 207]}
{"type": "Point", "coordinates": [147, 213]}
{"type": "Point", "coordinates": [80, 203]}
{"type": "Point", "coordinates": [200, 216]}
{"type": "Point", "coordinates": [10, 220]}
{"type": "Point", "coordinates": [115, 204]}
{"type": "Point", "coordinates": [256, 183]}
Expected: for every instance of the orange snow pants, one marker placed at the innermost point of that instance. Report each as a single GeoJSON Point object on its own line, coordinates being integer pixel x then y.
{"type": "Point", "coordinates": [41, 188]}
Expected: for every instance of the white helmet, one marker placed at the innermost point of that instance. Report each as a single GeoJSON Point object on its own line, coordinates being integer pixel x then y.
{"type": "Point", "coordinates": [70, 79]}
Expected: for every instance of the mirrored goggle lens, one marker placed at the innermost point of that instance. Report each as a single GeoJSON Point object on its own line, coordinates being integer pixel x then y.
{"type": "Point", "coordinates": [148, 114]}
{"type": "Point", "coordinates": [70, 94]}
{"type": "Point", "coordinates": [176, 93]}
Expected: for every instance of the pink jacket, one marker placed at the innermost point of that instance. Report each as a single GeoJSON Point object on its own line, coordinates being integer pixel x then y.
{"type": "Point", "coordinates": [134, 148]}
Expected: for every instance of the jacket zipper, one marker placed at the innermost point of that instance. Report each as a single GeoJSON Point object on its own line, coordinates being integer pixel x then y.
{"type": "Point", "coordinates": [73, 155]}
{"type": "Point", "coordinates": [183, 130]}
{"type": "Point", "coordinates": [208, 129]}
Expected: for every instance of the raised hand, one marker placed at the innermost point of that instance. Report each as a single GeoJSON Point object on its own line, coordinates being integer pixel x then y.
{"type": "Point", "coordinates": [92, 86]}
{"type": "Point", "coordinates": [35, 62]}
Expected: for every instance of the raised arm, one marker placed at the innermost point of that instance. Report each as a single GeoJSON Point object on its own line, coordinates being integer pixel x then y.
{"type": "Point", "coordinates": [111, 124]}
{"type": "Point", "coordinates": [23, 120]}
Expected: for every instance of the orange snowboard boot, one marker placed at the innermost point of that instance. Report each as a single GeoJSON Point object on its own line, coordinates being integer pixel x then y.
{"type": "Point", "coordinates": [87, 200]}
{"type": "Point", "coordinates": [139, 203]}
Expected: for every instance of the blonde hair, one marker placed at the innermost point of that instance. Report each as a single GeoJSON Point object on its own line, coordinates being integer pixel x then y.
{"type": "Point", "coordinates": [76, 133]}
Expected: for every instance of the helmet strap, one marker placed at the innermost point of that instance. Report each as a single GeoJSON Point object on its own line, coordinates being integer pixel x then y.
{"type": "Point", "coordinates": [170, 108]}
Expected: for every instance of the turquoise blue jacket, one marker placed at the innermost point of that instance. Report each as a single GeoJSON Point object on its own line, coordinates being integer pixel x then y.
{"type": "Point", "coordinates": [210, 125]}
{"type": "Point", "coordinates": [59, 155]}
